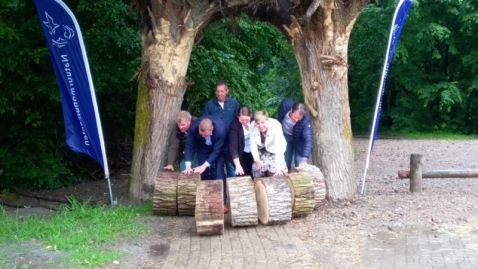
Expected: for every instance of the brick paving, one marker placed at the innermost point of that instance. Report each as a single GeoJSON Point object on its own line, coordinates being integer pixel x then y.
{"type": "Point", "coordinates": [298, 245]}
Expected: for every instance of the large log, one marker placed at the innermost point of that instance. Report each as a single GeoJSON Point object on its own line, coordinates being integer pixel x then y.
{"type": "Point", "coordinates": [274, 200]}
{"type": "Point", "coordinates": [303, 193]}
{"type": "Point", "coordinates": [318, 179]}
{"type": "Point", "coordinates": [165, 194]}
{"type": "Point", "coordinates": [209, 213]}
{"type": "Point", "coordinates": [187, 185]}
{"type": "Point", "coordinates": [242, 201]}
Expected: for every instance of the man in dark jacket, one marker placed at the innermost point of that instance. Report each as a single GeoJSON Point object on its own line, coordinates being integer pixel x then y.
{"type": "Point", "coordinates": [297, 131]}
{"type": "Point", "coordinates": [224, 107]}
{"type": "Point", "coordinates": [206, 137]}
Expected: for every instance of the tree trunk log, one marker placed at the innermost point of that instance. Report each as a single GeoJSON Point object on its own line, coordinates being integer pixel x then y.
{"type": "Point", "coordinates": [274, 200]}
{"type": "Point", "coordinates": [416, 173]}
{"type": "Point", "coordinates": [303, 194]}
{"type": "Point", "coordinates": [187, 186]}
{"type": "Point", "coordinates": [442, 174]}
{"type": "Point", "coordinates": [320, 48]}
{"type": "Point", "coordinates": [318, 180]}
{"type": "Point", "coordinates": [165, 194]}
{"type": "Point", "coordinates": [209, 213]}
{"type": "Point", "coordinates": [242, 201]}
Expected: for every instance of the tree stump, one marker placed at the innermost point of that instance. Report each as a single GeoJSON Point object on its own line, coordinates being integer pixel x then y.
{"type": "Point", "coordinates": [187, 185]}
{"type": "Point", "coordinates": [165, 194]}
{"type": "Point", "coordinates": [303, 193]}
{"type": "Point", "coordinates": [274, 200]}
{"type": "Point", "coordinates": [209, 213]}
{"type": "Point", "coordinates": [318, 180]}
{"type": "Point", "coordinates": [242, 201]}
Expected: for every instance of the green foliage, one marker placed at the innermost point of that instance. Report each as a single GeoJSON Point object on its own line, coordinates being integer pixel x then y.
{"type": "Point", "coordinates": [32, 148]}
{"type": "Point", "coordinates": [430, 85]}
{"type": "Point", "coordinates": [253, 57]}
{"type": "Point", "coordinates": [81, 231]}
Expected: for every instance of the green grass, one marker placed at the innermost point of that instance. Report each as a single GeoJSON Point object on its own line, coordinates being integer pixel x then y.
{"type": "Point", "coordinates": [79, 231]}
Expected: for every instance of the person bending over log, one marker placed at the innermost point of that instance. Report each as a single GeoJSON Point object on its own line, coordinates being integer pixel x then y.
{"type": "Point", "coordinates": [206, 137]}
{"type": "Point", "coordinates": [177, 141]}
{"type": "Point", "coordinates": [297, 132]}
{"type": "Point", "coordinates": [240, 142]}
{"type": "Point", "coordinates": [268, 145]}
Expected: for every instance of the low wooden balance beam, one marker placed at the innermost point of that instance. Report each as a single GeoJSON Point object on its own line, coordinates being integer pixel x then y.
{"type": "Point", "coordinates": [416, 174]}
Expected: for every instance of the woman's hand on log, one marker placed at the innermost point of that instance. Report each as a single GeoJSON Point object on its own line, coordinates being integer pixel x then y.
{"type": "Point", "coordinates": [258, 164]}
{"type": "Point", "coordinates": [169, 167]}
{"type": "Point", "coordinates": [278, 173]}
{"type": "Point", "coordinates": [239, 170]}
{"type": "Point", "coordinates": [188, 170]}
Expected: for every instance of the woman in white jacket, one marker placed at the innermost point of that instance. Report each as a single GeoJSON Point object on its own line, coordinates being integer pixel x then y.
{"type": "Point", "coordinates": [268, 145]}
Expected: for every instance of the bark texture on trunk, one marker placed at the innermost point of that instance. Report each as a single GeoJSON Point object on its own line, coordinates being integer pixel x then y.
{"type": "Point", "coordinates": [168, 34]}
{"type": "Point", "coordinates": [303, 193]}
{"type": "Point", "coordinates": [320, 47]}
{"type": "Point", "coordinates": [209, 213]}
{"type": "Point", "coordinates": [274, 200]}
{"type": "Point", "coordinates": [242, 201]}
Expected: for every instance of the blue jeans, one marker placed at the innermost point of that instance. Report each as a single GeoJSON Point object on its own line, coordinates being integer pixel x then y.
{"type": "Point", "coordinates": [290, 152]}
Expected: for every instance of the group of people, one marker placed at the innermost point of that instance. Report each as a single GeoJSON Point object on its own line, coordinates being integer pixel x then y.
{"type": "Point", "coordinates": [228, 140]}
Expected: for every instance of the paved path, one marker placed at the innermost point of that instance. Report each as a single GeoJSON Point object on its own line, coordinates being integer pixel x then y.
{"type": "Point", "coordinates": [299, 244]}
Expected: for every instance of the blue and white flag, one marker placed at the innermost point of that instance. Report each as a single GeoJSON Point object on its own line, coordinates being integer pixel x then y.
{"type": "Point", "coordinates": [397, 24]}
{"type": "Point", "coordinates": [67, 51]}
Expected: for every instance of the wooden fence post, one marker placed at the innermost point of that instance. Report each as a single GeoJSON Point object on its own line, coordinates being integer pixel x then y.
{"type": "Point", "coordinates": [416, 173]}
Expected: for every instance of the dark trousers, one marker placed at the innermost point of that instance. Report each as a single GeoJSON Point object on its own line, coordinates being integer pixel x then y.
{"type": "Point", "coordinates": [247, 161]}
{"type": "Point", "coordinates": [218, 167]}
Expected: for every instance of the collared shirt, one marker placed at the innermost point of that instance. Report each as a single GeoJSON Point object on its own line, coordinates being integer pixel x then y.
{"type": "Point", "coordinates": [287, 125]}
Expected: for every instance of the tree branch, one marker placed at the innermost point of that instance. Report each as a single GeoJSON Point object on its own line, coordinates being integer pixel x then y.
{"type": "Point", "coordinates": [310, 11]}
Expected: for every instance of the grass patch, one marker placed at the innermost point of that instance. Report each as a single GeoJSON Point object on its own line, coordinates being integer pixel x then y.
{"type": "Point", "coordinates": [78, 230]}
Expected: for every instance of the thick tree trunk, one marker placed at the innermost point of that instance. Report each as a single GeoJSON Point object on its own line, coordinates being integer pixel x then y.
{"type": "Point", "coordinates": [167, 38]}
{"type": "Point", "coordinates": [320, 47]}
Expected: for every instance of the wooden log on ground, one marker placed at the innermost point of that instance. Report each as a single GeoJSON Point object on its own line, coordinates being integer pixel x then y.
{"type": "Point", "coordinates": [186, 199]}
{"type": "Point", "coordinates": [441, 174]}
{"type": "Point", "coordinates": [274, 200]}
{"type": "Point", "coordinates": [165, 194]}
{"type": "Point", "coordinates": [415, 173]}
{"type": "Point", "coordinates": [303, 193]}
{"type": "Point", "coordinates": [318, 179]}
{"type": "Point", "coordinates": [242, 201]}
{"type": "Point", "coordinates": [209, 213]}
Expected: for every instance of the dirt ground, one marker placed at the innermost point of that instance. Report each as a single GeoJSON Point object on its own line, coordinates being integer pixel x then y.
{"type": "Point", "coordinates": [387, 203]}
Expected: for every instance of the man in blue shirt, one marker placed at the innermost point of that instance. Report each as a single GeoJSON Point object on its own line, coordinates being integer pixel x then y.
{"type": "Point", "coordinates": [226, 108]}
{"type": "Point", "coordinates": [297, 131]}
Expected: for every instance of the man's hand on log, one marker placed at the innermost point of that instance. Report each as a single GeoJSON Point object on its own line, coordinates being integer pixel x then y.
{"type": "Point", "coordinates": [169, 167]}
{"type": "Point", "coordinates": [188, 170]}
{"type": "Point", "coordinates": [200, 169]}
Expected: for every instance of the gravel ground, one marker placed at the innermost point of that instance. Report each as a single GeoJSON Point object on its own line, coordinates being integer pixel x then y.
{"type": "Point", "coordinates": [335, 232]}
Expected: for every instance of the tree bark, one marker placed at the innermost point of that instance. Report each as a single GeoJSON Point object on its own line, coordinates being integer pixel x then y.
{"type": "Point", "coordinates": [320, 48]}
{"type": "Point", "coordinates": [168, 35]}
{"type": "Point", "coordinates": [187, 186]}
{"type": "Point", "coordinates": [209, 213]}
{"type": "Point", "coordinates": [242, 201]}
{"type": "Point", "coordinates": [274, 200]}
{"type": "Point", "coordinates": [303, 193]}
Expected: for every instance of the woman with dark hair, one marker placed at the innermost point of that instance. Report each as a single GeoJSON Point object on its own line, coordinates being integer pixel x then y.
{"type": "Point", "coordinates": [239, 142]}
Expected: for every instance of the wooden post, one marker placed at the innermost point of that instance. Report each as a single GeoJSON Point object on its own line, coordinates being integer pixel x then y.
{"type": "Point", "coordinates": [416, 173]}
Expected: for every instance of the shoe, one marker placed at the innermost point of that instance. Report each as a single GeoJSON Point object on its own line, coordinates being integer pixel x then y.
{"type": "Point", "coordinates": [226, 209]}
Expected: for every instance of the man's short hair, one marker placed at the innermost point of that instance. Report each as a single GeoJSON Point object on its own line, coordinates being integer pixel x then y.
{"type": "Point", "coordinates": [299, 107]}
{"type": "Point", "coordinates": [222, 82]}
{"type": "Point", "coordinates": [205, 125]}
{"type": "Point", "coordinates": [183, 114]}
